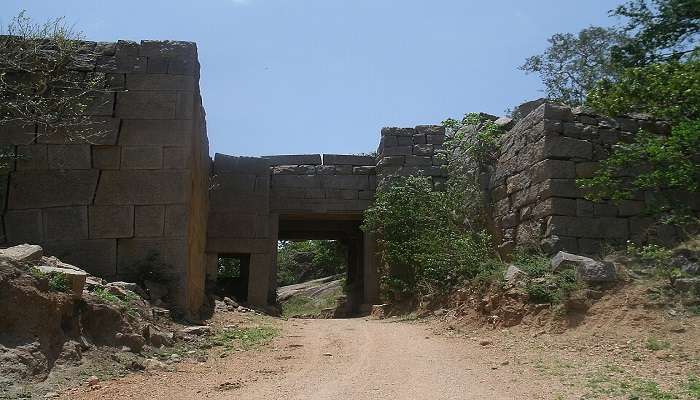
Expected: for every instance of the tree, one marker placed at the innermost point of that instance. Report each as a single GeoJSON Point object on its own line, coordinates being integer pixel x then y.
{"type": "Point", "coordinates": [48, 84]}
{"type": "Point", "coordinates": [669, 91]}
{"type": "Point", "coordinates": [572, 65]}
{"type": "Point", "coordinates": [660, 30]}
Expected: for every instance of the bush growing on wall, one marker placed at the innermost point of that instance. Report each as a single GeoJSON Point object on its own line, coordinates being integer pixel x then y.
{"type": "Point", "coordinates": [431, 241]}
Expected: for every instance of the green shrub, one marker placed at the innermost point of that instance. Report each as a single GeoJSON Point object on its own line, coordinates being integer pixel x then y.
{"type": "Point", "coordinates": [57, 281]}
{"type": "Point", "coordinates": [656, 258]}
{"type": "Point", "coordinates": [543, 285]}
{"type": "Point", "coordinates": [424, 249]}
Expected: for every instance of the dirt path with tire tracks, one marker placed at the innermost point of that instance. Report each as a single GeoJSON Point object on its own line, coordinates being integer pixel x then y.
{"type": "Point", "coordinates": [341, 359]}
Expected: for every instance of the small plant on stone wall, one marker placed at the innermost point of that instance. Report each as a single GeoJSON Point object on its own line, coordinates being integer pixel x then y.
{"type": "Point", "coordinates": [471, 149]}
{"type": "Point", "coordinates": [657, 259]}
{"type": "Point", "coordinates": [48, 82]}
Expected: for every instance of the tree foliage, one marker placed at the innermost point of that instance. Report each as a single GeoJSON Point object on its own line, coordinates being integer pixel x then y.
{"type": "Point", "coordinates": [47, 80]}
{"type": "Point", "coordinates": [574, 63]}
{"type": "Point", "coordinates": [669, 91]}
{"type": "Point", "coordinates": [658, 163]}
{"type": "Point", "coordinates": [661, 31]}
{"type": "Point", "coordinates": [424, 248]}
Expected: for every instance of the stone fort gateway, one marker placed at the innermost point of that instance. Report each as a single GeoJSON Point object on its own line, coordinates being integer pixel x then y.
{"type": "Point", "coordinates": [146, 198]}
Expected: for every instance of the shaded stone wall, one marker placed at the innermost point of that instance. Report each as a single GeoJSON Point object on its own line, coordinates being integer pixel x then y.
{"type": "Point", "coordinates": [135, 199]}
{"type": "Point", "coordinates": [536, 199]}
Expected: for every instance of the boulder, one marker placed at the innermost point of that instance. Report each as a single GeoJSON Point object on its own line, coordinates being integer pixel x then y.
{"type": "Point", "coordinates": [587, 269]}
{"type": "Point", "coordinates": [133, 341]}
{"type": "Point", "coordinates": [514, 275]}
{"type": "Point", "coordinates": [197, 330]}
{"type": "Point", "coordinates": [687, 285]}
{"type": "Point", "coordinates": [123, 289]}
{"type": "Point", "coordinates": [75, 278]}
{"type": "Point", "coordinates": [504, 123]}
{"type": "Point", "coordinates": [158, 338]}
{"type": "Point", "coordinates": [23, 252]}
{"type": "Point", "coordinates": [379, 311]}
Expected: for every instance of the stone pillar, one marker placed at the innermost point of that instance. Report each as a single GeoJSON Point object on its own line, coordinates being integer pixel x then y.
{"type": "Point", "coordinates": [371, 272]}
{"type": "Point", "coordinates": [259, 279]}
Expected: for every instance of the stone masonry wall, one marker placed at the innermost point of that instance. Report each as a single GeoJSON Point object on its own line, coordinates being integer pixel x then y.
{"type": "Point", "coordinates": [334, 183]}
{"type": "Point", "coordinates": [412, 151]}
{"type": "Point", "coordinates": [137, 192]}
{"type": "Point", "coordinates": [536, 199]}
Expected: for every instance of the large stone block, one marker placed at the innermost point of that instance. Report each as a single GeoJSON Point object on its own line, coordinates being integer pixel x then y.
{"type": "Point", "coordinates": [184, 107]}
{"type": "Point", "coordinates": [291, 159]}
{"type": "Point", "coordinates": [412, 161]}
{"type": "Point", "coordinates": [24, 226]}
{"type": "Point", "coordinates": [41, 189]}
{"type": "Point", "coordinates": [343, 159]}
{"type": "Point", "coordinates": [143, 187]}
{"type": "Point", "coordinates": [106, 157]}
{"type": "Point", "coordinates": [250, 203]}
{"type": "Point", "coordinates": [70, 157]}
{"type": "Point", "coordinates": [98, 257]}
{"type": "Point", "coordinates": [175, 158]}
{"type": "Point", "coordinates": [151, 132]}
{"type": "Point", "coordinates": [102, 131]}
{"type": "Point", "coordinates": [230, 225]}
{"type": "Point", "coordinates": [299, 181]}
{"type": "Point", "coordinates": [176, 220]}
{"type": "Point", "coordinates": [554, 206]}
{"type": "Point", "coordinates": [32, 157]}
{"type": "Point", "coordinates": [238, 245]}
{"type": "Point", "coordinates": [161, 82]}
{"type": "Point", "coordinates": [16, 134]}
{"type": "Point", "coordinates": [142, 157]}
{"type": "Point", "coordinates": [4, 185]}
{"type": "Point", "coordinates": [146, 105]}
{"type": "Point", "coordinates": [357, 182]}
{"type": "Point", "coordinates": [566, 147]}
{"type": "Point", "coordinates": [553, 169]}
{"type": "Point", "coordinates": [241, 165]}
{"type": "Point", "coordinates": [111, 222]}
{"type": "Point", "coordinates": [397, 151]}
{"type": "Point", "coordinates": [65, 223]}
{"type": "Point", "coordinates": [166, 258]}
{"type": "Point", "coordinates": [149, 221]}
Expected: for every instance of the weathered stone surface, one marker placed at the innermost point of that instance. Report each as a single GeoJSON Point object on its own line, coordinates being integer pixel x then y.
{"type": "Point", "coordinates": [106, 157]}
{"type": "Point", "coordinates": [291, 159]}
{"type": "Point", "coordinates": [143, 187]}
{"type": "Point", "coordinates": [32, 157]}
{"type": "Point", "coordinates": [514, 274]}
{"type": "Point", "coordinates": [553, 169]}
{"type": "Point", "coordinates": [24, 226]}
{"type": "Point", "coordinates": [357, 182]}
{"type": "Point", "coordinates": [103, 131]}
{"type": "Point", "coordinates": [23, 252]}
{"type": "Point", "coordinates": [174, 158]}
{"type": "Point", "coordinates": [151, 132]}
{"type": "Point", "coordinates": [111, 222]}
{"type": "Point", "coordinates": [587, 269]}
{"type": "Point", "coordinates": [294, 170]}
{"type": "Point", "coordinates": [65, 223]}
{"type": "Point", "coordinates": [146, 105]}
{"type": "Point", "coordinates": [16, 134]}
{"type": "Point", "coordinates": [142, 157]}
{"type": "Point", "coordinates": [565, 147]}
{"type": "Point", "coordinates": [42, 189]}
{"type": "Point", "coordinates": [98, 257]}
{"type": "Point", "coordinates": [168, 255]}
{"type": "Point", "coordinates": [162, 82]}
{"type": "Point", "coordinates": [343, 159]}
{"type": "Point", "coordinates": [69, 157]}
{"type": "Point", "coordinates": [149, 221]}
{"type": "Point", "coordinates": [241, 165]}
{"type": "Point", "coordinates": [554, 206]}
{"type": "Point", "coordinates": [75, 278]}
{"type": "Point", "coordinates": [368, 170]}
{"type": "Point", "coordinates": [176, 220]}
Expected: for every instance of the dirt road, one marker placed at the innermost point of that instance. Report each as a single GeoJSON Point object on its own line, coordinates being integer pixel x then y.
{"type": "Point", "coordinates": [340, 359]}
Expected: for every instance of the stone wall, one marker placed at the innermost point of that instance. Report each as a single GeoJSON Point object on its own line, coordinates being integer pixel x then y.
{"type": "Point", "coordinates": [334, 183]}
{"type": "Point", "coordinates": [534, 192]}
{"type": "Point", "coordinates": [412, 151]}
{"type": "Point", "coordinates": [134, 198]}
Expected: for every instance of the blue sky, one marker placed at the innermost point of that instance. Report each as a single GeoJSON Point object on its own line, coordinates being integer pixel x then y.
{"type": "Point", "coordinates": [309, 76]}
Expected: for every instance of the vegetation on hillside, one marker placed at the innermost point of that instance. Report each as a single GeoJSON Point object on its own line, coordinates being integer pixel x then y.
{"type": "Point", "coordinates": [301, 261]}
